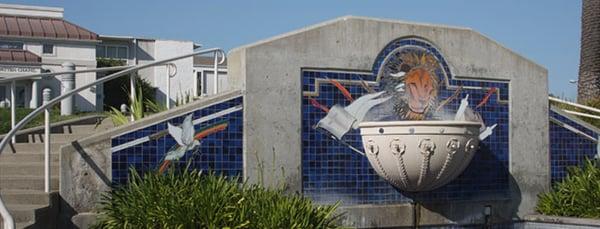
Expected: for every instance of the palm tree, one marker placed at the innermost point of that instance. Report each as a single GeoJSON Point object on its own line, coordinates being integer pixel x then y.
{"type": "Point", "coordinates": [589, 67]}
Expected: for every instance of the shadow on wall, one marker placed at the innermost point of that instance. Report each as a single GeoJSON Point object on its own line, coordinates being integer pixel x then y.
{"type": "Point", "coordinates": [503, 205]}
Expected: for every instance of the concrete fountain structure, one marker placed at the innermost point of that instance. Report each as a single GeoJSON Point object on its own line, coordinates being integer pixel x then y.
{"type": "Point", "coordinates": [281, 88]}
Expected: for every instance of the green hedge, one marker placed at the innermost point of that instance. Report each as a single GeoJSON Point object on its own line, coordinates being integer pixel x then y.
{"type": "Point", "coordinates": [578, 195]}
{"type": "Point", "coordinates": [37, 121]}
{"type": "Point", "coordinates": [189, 199]}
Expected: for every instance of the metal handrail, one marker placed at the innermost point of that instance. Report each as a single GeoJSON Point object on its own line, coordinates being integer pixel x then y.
{"type": "Point", "coordinates": [6, 216]}
{"type": "Point", "coordinates": [574, 104]}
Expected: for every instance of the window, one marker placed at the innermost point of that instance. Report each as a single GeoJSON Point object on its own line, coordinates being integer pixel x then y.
{"type": "Point", "coordinates": [100, 51]}
{"type": "Point", "coordinates": [11, 45]}
{"type": "Point", "coordinates": [47, 49]}
{"type": "Point", "coordinates": [122, 52]}
{"type": "Point", "coordinates": [115, 52]}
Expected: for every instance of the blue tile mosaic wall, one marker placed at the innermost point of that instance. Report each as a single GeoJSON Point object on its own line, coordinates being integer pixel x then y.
{"type": "Point", "coordinates": [220, 152]}
{"type": "Point", "coordinates": [568, 148]}
{"type": "Point", "coordinates": [332, 171]}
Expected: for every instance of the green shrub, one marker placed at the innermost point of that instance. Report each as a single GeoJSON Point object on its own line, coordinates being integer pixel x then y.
{"type": "Point", "coordinates": [188, 199]}
{"type": "Point", "coordinates": [578, 195]}
{"type": "Point", "coordinates": [36, 121]}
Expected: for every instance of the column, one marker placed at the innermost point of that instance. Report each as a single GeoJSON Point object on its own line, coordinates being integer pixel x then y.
{"type": "Point", "coordinates": [67, 82]}
{"type": "Point", "coordinates": [33, 103]}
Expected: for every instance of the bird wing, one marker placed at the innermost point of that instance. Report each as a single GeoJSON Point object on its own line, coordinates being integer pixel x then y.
{"type": "Point", "coordinates": [176, 133]}
{"type": "Point", "coordinates": [187, 135]}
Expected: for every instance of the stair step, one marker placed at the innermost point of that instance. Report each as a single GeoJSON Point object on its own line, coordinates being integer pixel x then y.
{"type": "Point", "coordinates": [26, 168]}
{"type": "Point", "coordinates": [27, 182]}
{"type": "Point", "coordinates": [22, 213]}
{"type": "Point", "coordinates": [30, 148]}
{"type": "Point", "coordinates": [56, 138]}
{"type": "Point", "coordinates": [27, 157]}
{"type": "Point", "coordinates": [25, 197]}
{"type": "Point", "coordinates": [83, 129]}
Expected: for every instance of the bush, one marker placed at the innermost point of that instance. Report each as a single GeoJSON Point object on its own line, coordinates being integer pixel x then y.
{"type": "Point", "coordinates": [38, 120]}
{"type": "Point", "coordinates": [578, 195]}
{"type": "Point", "coordinates": [188, 199]}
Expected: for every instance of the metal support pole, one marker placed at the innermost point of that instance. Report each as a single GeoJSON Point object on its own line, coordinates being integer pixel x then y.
{"type": "Point", "coordinates": [13, 117]}
{"type": "Point", "coordinates": [47, 93]}
{"type": "Point", "coordinates": [171, 71]}
{"type": "Point", "coordinates": [132, 94]}
{"type": "Point", "coordinates": [168, 91]}
{"type": "Point", "coordinates": [216, 72]}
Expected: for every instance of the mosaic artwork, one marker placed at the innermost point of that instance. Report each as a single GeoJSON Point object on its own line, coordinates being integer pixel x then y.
{"type": "Point", "coordinates": [209, 138]}
{"type": "Point", "coordinates": [410, 81]}
{"type": "Point", "coordinates": [571, 142]}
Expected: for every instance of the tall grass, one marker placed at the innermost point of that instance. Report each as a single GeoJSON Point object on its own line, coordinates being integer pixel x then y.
{"type": "Point", "coordinates": [139, 107]}
{"type": "Point", "coordinates": [189, 199]}
{"type": "Point", "coordinates": [578, 195]}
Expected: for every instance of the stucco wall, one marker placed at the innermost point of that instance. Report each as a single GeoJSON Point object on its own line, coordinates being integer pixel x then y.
{"type": "Point", "coordinates": [183, 81]}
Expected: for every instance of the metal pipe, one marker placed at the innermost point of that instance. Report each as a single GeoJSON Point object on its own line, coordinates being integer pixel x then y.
{"type": "Point", "coordinates": [132, 95]}
{"type": "Point", "coordinates": [168, 91]}
{"type": "Point", "coordinates": [581, 114]}
{"type": "Point", "coordinates": [574, 104]}
{"type": "Point", "coordinates": [47, 150]}
{"type": "Point", "coordinates": [46, 95]}
{"type": "Point", "coordinates": [216, 74]}
{"type": "Point", "coordinates": [6, 216]}
{"type": "Point", "coordinates": [13, 108]}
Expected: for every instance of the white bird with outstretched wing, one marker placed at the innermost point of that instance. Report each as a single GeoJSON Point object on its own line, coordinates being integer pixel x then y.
{"type": "Point", "coordinates": [184, 136]}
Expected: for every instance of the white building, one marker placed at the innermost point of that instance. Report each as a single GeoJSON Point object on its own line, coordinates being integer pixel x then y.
{"type": "Point", "coordinates": [39, 39]}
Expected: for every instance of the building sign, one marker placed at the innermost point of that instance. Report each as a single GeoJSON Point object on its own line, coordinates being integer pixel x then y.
{"type": "Point", "coordinates": [18, 69]}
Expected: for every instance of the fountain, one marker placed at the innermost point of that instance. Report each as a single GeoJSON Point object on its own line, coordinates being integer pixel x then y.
{"type": "Point", "coordinates": [419, 155]}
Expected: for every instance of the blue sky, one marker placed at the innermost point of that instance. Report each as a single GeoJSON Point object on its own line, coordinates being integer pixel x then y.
{"type": "Point", "coordinates": [545, 31]}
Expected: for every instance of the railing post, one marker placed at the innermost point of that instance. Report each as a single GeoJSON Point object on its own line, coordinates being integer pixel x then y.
{"type": "Point", "coordinates": [13, 116]}
{"type": "Point", "coordinates": [168, 91]}
{"type": "Point", "coordinates": [47, 93]}
{"type": "Point", "coordinates": [171, 71]}
{"type": "Point", "coordinates": [67, 82]}
{"type": "Point", "coordinates": [132, 93]}
{"type": "Point", "coordinates": [216, 72]}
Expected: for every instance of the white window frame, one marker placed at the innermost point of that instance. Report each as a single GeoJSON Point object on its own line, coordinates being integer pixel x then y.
{"type": "Point", "coordinates": [117, 51]}
{"type": "Point", "coordinates": [203, 71]}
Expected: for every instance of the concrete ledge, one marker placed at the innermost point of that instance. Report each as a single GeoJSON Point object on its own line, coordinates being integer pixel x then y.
{"type": "Point", "coordinates": [152, 119]}
{"type": "Point", "coordinates": [562, 220]}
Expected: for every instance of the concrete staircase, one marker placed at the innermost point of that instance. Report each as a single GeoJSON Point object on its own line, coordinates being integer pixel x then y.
{"type": "Point", "coordinates": [22, 171]}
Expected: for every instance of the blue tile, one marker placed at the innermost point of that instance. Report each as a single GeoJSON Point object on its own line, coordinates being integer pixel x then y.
{"type": "Point", "coordinates": [331, 171]}
{"type": "Point", "coordinates": [212, 154]}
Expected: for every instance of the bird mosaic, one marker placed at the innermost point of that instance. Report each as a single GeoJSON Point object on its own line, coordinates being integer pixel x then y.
{"type": "Point", "coordinates": [187, 139]}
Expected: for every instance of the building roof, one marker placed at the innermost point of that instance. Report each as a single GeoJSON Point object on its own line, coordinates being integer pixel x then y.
{"type": "Point", "coordinates": [16, 56]}
{"type": "Point", "coordinates": [43, 27]}
{"type": "Point", "coordinates": [206, 61]}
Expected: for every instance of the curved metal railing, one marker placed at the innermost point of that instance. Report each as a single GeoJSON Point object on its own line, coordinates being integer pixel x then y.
{"type": "Point", "coordinates": [4, 213]}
